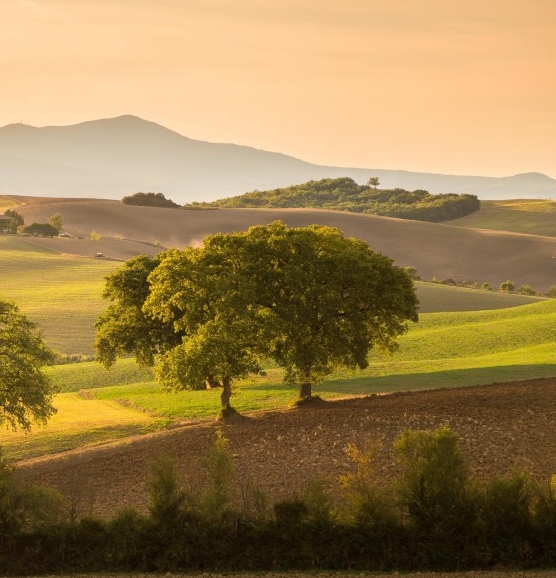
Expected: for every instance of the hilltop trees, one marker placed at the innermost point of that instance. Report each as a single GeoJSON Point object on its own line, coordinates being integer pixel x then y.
{"type": "Point", "coordinates": [149, 200]}
{"type": "Point", "coordinates": [25, 392]}
{"type": "Point", "coordinates": [344, 194]}
{"type": "Point", "coordinates": [309, 298]}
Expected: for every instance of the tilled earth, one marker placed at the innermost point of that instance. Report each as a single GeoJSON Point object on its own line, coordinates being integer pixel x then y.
{"type": "Point", "coordinates": [502, 427]}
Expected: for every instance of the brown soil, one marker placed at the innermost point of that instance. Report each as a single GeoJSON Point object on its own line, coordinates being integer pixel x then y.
{"type": "Point", "coordinates": [440, 250]}
{"type": "Point", "coordinates": [502, 427]}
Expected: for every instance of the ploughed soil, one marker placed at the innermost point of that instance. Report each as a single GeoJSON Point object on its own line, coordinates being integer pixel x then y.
{"type": "Point", "coordinates": [502, 427]}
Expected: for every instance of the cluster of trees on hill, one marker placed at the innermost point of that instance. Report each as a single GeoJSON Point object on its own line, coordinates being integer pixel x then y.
{"type": "Point", "coordinates": [149, 200]}
{"type": "Point", "coordinates": [434, 516]}
{"type": "Point", "coordinates": [346, 195]}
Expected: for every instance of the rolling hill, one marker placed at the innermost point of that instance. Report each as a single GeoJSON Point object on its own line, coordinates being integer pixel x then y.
{"type": "Point", "coordinates": [436, 250]}
{"type": "Point", "coordinates": [111, 158]}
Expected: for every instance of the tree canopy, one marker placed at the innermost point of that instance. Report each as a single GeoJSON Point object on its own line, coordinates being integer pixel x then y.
{"type": "Point", "coordinates": [25, 391]}
{"type": "Point", "coordinates": [309, 298]}
{"type": "Point", "coordinates": [149, 200]}
{"type": "Point", "coordinates": [344, 194]}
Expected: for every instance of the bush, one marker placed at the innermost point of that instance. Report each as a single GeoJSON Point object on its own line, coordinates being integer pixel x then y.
{"type": "Point", "coordinates": [526, 290]}
{"type": "Point", "coordinates": [506, 287]}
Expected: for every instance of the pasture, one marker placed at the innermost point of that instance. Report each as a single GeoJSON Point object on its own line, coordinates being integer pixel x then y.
{"type": "Point", "coordinates": [444, 350]}
{"type": "Point", "coordinates": [464, 336]}
{"type": "Point", "coordinates": [531, 217]}
{"type": "Point", "coordinates": [62, 293]}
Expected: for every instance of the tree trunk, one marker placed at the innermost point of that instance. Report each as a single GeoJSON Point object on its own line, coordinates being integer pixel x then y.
{"type": "Point", "coordinates": [226, 392]}
{"type": "Point", "coordinates": [305, 390]}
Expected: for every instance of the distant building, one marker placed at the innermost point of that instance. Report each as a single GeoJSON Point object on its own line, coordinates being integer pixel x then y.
{"type": "Point", "coordinates": [4, 222]}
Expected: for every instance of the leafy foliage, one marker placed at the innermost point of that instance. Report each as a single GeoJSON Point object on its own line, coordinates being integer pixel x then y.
{"type": "Point", "coordinates": [41, 230]}
{"type": "Point", "coordinates": [309, 298]}
{"type": "Point", "coordinates": [345, 194]}
{"type": "Point", "coordinates": [149, 200]}
{"type": "Point", "coordinates": [25, 391]}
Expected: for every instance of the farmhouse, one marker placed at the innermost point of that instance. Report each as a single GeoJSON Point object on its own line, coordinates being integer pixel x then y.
{"type": "Point", "coordinates": [5, 223]}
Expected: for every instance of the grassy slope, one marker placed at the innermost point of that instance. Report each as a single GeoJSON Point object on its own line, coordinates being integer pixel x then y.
{"type": "Point", "coordinates": [442, 350]}
{"type": "Point", "coordinates": [533, 217]}
{"type": "Point", "coordinates": [63, 293]}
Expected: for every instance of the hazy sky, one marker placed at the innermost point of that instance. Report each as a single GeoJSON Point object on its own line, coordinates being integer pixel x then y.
{"type": "Point", "coordinates": [450, 86]}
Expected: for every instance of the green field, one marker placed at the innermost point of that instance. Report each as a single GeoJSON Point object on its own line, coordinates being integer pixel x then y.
{"type": "Point", "coordinates": [443, 350]}
{"type": "Point", "coordinates": [533, 217]}
{"type": "Point", "coordinates": [63, 294]}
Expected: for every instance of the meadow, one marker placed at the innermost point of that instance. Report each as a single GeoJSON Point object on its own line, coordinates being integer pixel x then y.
{"type": "Point", "coordinates": [531, 217]}
{"type": "Point", "coordinates": [444, 350]}
{"type": "Point", "coordinates": [464, 337]}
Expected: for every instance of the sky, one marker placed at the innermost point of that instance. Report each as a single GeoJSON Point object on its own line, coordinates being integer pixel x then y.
{"type": "Point", "coordinates": [444, 86]}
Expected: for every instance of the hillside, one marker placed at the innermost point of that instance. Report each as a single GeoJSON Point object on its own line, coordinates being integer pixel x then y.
{"type": "Point", "coordinates": [111, 158]}
{"type": "Point", "coordinates": [531, 217]}
{"type": "Point", "coordinates": [436, 250]}
{"type": "Point", "coordinates": [501, 427]}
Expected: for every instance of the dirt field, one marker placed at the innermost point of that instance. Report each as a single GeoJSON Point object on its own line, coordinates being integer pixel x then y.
{"type": "Point", "coordinates": [435, 249]}
{"type": "Point", "coordinates": [501, 427]}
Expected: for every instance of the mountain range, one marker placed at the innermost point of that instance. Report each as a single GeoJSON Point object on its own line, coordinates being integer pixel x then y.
{"type": "Point", "coordinates": [113, 158]}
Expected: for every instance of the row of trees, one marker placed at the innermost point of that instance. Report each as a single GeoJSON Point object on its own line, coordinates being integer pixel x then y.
{"type": "Point", "coordinates": [434, 516]}
{"type": "Point", "coordinates": [346, 195]}
{"type": "Point", "coordinates": [308, 298]}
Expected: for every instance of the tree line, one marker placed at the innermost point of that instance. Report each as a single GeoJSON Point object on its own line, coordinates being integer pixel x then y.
{"type": "Point", "coordinates": [434, 516]}
{"type": "Point", "coordinates": [345, 194]}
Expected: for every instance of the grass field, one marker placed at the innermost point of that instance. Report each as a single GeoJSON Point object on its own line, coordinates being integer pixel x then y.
{"type": "Point", "coordinates": [62, 294]}
{"type": "Point", "coordinates": [443, 350]}
{"type": "Point", "coordinates": [533, 217]}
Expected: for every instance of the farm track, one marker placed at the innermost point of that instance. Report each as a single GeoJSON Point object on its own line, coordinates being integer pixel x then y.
{"type": "Point", "coordinates": [502, 427]}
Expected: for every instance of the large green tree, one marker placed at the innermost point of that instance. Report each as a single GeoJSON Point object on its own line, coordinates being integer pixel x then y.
{"type": "Point", "coordinates": [25, 391]}
{"type": "Point", "coordinates": [330, 299]}
{"type": "Point", "coordinates": [310, 298]}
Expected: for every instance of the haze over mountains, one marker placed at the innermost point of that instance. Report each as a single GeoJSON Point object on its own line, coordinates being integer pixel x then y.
{"type": "Point", "coordinates": [112, 158]}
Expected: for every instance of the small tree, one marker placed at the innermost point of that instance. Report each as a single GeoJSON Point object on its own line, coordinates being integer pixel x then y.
{"type": "Point", "coordinates": [486, 287]}
{"type": "Point", "coordinates": [373, 182]}
{"type": "Point", "coordinates": [56, 221]}
{"type": "Point", "coordinates": [551, 291]}
{"type": "Point", "coordinates": [526, 290]}
{"type": "Point", "coordinates": [507, 287]}
{"type": "Point", "coordinates": [25, 391]}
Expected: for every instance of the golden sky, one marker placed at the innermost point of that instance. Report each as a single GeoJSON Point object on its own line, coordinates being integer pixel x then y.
{"type": "Point", "coordinates": [448, 86]}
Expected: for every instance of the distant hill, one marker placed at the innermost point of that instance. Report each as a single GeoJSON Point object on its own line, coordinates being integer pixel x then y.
{"type": "Point", "coordinates": [112, 158]}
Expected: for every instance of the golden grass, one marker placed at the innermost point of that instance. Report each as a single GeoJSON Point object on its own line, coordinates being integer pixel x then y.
{"type": "Point", "coordinates": [81, 421]}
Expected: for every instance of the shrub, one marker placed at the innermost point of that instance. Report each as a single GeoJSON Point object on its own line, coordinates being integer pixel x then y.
{"type": "Point", "coordinates": [435, 487]}
{"type": "Point", "coordinates": [526, 290]}
{"type": "Point", "coordinates": [506, 287]}
{"type": "Point", "coordinates": [369, 503]}
{"type": "Point", "coordinates": [506, 517]}
{"type": "Point", "coordinates": [486, 287]}
{"type": "Point", "coordinates": [220, 477]}
{"type": "Point", "coordinates": [551, 292]}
